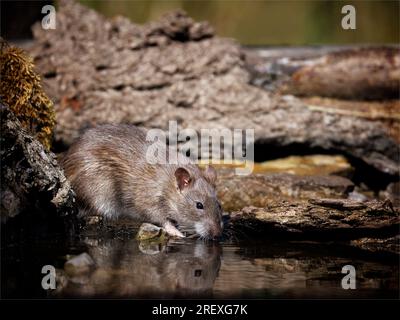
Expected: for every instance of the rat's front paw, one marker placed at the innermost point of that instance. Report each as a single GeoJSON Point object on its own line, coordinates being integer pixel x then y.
{"type": "Point", "coordinates": [173, 231]}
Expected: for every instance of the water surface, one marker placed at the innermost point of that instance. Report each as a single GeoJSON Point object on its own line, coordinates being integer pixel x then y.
{"type": "Point", "coordinates": [196, 269]}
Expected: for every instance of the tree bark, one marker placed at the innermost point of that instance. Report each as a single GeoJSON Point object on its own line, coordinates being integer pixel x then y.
{"type": "Point", "coordinates": [30, 175]}
{"type": "Point", "coordinates": [236, 192]}
{"type": "Point", "coordinates": [335, 219]}
{"type": "Point", "coordinates": [100, 71]}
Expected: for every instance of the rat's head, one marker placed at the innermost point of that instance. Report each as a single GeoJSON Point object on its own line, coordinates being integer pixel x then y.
{"type": "Point", "coordinates": [197, 205]}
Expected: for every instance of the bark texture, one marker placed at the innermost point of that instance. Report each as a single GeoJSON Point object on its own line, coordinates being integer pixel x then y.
{"type": "Point", "coordinates": [30, 175]}
{"type": "Point", "coordinates": [322, 218]}
{"type": "Point", "coordinates": [259, 190]}
{"type": "Point", "coordinates": [100, 71]}
{"type": "Point", "coordinates": [363, 73]}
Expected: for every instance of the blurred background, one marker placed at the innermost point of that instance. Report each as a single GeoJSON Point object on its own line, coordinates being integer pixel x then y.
{"type": "Point", "coordinates": [253, 23]}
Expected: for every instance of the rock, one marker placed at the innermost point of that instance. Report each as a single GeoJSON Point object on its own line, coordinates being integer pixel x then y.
{"type": "Point", "coordinates": [61, 280]}
{"type": "Point", "coordinates": [236, 192]}
{"type": "Point", "coordinates": [150, 232]}
{"type": "Point", "coordinates": [391, 244]}
{"type": "Point", "coordinates": [101, 71]}
{"type": "Point", "coordinates": [321, 219]}
{"type": "Point", "coordinates": [151, 248]}
{"type": "Point", "coordinates": [30, 175]}
{"type": "Point", "coordinates": [78, 265]}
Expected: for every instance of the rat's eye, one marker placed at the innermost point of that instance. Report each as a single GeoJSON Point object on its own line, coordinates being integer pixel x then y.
{"type": "Point", "coordinates": [199, 205]}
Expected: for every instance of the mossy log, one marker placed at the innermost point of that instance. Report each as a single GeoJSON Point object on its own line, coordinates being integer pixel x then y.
{"type": "Point", "coordinates": [30, 175]}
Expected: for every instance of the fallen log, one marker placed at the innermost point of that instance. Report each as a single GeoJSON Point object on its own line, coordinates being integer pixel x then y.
{"type": "Point", "coordinates": [353, 73]}
{"type": "Point", "coordinates": [362, 73]}
{"type": "Point", "coordinates": [391, 244]}
{"type": "Point", "coordinates": [236, 192]}
{"type": "Point", "coordinates": [30, 175]}
{"type": "Point", "coordinates": [338, 219]}
{"type": "Point", "coordinates": [100, 71]}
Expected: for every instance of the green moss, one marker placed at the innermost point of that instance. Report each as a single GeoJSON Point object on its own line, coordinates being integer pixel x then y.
{"type": "Point", "coordinates": [21, 90]}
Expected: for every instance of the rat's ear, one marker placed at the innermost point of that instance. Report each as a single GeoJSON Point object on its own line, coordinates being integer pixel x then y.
{"type": "Point", "coordinates": [183, 178]}
{"type": "Point", "coordinates": [210, 174]}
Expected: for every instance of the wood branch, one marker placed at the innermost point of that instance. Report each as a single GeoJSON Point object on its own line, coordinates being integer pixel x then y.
{"type": "Point", "coordinates": [363, 73]}
{"type": "Point", "coordinates": [321, 218]}
{"type": "Point", "coordinates": [348, 72]}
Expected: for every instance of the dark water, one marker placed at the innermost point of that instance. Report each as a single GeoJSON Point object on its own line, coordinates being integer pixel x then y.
{"type": "Point", "coordinates": [193, 268]}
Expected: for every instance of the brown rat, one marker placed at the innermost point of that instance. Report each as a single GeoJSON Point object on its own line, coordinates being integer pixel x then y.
{"type": "Point", "coordinates": [111, 175]}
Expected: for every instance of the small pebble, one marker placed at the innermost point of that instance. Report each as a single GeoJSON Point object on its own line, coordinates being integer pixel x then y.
{"type": "Point", "coordinates": [79, 265]}
{"type": "Point", "coordinates": [150, 232]}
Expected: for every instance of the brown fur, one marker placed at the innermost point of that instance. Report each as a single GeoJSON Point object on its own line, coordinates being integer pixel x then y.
{"type": "Point", "coordinates": [108, 170]}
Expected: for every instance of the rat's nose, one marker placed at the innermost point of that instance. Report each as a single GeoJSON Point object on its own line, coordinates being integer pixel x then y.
{"type": "Point", "coordinates": [216, 232]}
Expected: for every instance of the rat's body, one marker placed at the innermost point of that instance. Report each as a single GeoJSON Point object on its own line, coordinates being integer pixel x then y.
{"type": "Point", "coordinates": [111, 176]}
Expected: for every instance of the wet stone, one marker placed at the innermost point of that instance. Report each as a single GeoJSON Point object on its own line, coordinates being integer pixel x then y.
{"type": "Point", "coordinates": [80, 264]}
{"type": "Point", "coordinates": [150, 232]}
{"type": "Point", "coordinates": [61, 280]}
{"type": "Point", "coordinates": [150, 247]}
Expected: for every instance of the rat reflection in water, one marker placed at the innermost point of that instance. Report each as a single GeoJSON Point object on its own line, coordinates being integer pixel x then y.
{"type": "Point", "coordinates": [131, 269]}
